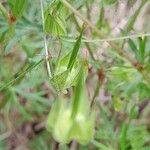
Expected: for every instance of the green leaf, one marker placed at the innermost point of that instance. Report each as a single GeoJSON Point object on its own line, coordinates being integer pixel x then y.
{"type": "Point", "coordinates": [133, 47]}
{"type": "Point", "coordinates": [20, 75]}
{"type": "Point", "coordinates": [142, 46]}
{"type": "Point", "coordinates": [123, 136]}
{"type": "Point", "coordinates": [133, 112]}
{"type": "Point", "coordinates": [11, 44]}
{"type": "Point", "coordinates": [102, 146]}
{"type": "Point", "coordinates": [18, 7]}
{"type": "Point", "coordinates": [68, 68]}
{"type": "Point", "coordinates": [133, 18]}
{"type": "Point", "coordinates": [75, 52]}
{"type": "Point", "coordinates": [54, 25]}
{"type": "Point", "coordinates": [58, 81]}
{"type": "Point", "coordinates": [22, 109]}
{"type": "Point", "coordinates": [138, 136]}
{"type": "Point", "coordinates": [8, 38]}
{"type": "Point", "coordinates": [62, 77]}
{"type": "Point", "coordinates": [3, 10]}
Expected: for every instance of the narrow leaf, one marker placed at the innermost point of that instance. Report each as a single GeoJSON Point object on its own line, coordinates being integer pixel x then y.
{"type": "Point", "coordinates": [142, 45]}
{"type": "Point", "coordinates": [133, 18]}
{"type": "Point", "coordinates": [75, 52]}
{"type": "Point", "coordinates": [20, 76]}
{"type": "Point", "coordinates": [18, 7]}
{"type": "Point", "coordinates": [133, 47]}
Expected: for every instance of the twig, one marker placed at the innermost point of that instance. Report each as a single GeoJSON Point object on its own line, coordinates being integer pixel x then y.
{"type": "Point", "coordinates": [45, 42]}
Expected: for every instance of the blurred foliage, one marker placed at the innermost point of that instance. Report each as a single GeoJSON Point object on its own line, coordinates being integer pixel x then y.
{"type": "Point", "coordinates": [90, 85]}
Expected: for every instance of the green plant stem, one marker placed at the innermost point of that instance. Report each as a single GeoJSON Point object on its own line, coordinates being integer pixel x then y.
{"type": "Point", "coordinates": [88, 7]}
{"type": "Point", "coordinates": [101, 18]}
{"type": "Point", "coordinates": [133, 36]}
{"type": "Point", "coordinates": [96, 92]}
{"type": "Point", "coordinates": [45, 43]}
{"type": "Point", "coordinates": [118, 50]}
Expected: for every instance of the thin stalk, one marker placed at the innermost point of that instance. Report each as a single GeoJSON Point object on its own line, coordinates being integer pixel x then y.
{"type": "Point", "coordinates": [96, 92]}
{"type": "Point", "coordinates": [101, 78]}
{"type": "Point", "coordinates": [90, 51]}
{"type": "Point", "coordinates": [45, 42]}
{"type": "Point", "coordinates": [88, 7]}
{"type": "Point", "coordinates": [133, 36]}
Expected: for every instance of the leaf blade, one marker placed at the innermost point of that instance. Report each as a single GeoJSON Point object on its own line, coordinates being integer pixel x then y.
{"type": "Point", "coordinates": [75, 52]}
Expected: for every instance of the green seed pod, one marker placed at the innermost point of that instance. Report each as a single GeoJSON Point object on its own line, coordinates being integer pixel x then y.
{"type": "Point", "coordinates": [83, 128]}
{"type": "Point", "coordinates": [59, 121]}
{"type": "Point", "coordinates": [72, 120]}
